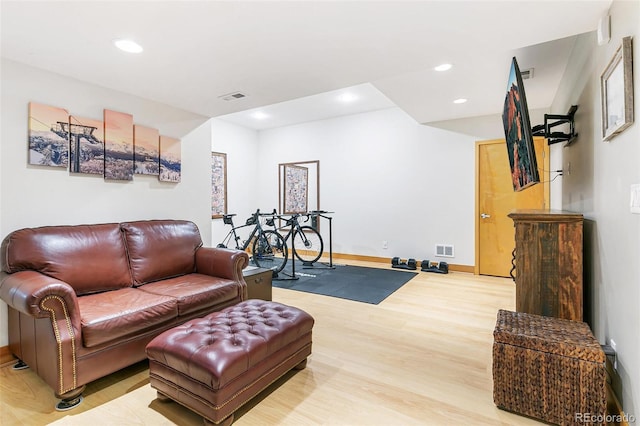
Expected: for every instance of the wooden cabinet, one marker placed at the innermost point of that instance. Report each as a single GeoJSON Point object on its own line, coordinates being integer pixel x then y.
{"type": "Point", "coordinates": [258, 282]}
{"type": "Point", "coordinates": [548, 263]}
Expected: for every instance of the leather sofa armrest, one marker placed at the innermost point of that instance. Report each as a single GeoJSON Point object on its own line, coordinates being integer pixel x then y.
{"type": "Point", "coordinates": [221, 262]}
{"type": "Point", "coordinates": [42, 296]}
{"type": "Point", "coordinates": [30, 292]}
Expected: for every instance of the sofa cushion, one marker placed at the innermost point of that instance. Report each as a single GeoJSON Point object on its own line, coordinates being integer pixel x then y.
{"type": "Point", "coordinates": [160, 249]}
{"type": "Point", "coordinates": [195, 292]}
{"type": "Point", "coordinates": [120, 313]}
{"type": "Point", "coordinates": [90, 258]}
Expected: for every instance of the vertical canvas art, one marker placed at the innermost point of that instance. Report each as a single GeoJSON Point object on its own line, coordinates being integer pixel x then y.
{"type": "Point", "coordinates": [170, 159]}
{"type": "Point", "coordinates": [118, 137]}
{"type": "Point", "coordinates": [48, 135]}
{"type": "Point", "coordinates": [218, 184]}
{"type": "Point", "coordinates": [87, 145]}
{"type": "Point", "coordinates": [146, 154]}
{"type": "Point", "coordinates": [295, 189]}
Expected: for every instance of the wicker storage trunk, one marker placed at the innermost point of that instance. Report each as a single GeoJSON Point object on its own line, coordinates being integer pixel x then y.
{"type": "Point", "coordinates": [548, 368]}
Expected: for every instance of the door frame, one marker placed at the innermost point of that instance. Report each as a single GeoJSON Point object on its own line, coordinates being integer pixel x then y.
{"type": "Point", "coordinates": [544, 172]}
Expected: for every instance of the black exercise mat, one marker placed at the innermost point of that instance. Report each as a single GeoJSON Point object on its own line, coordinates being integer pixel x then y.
{"type": "Point", "coordinates": [359, 283]}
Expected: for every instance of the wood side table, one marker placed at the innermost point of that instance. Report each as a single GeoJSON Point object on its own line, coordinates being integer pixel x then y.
{"type": "Point", "coordinates": [548, 263]}
{"type": "Point", "coordinates": [258, 282]}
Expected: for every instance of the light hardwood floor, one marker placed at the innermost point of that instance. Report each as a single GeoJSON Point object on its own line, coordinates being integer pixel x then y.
{"type": "Point", "coordinates": [421, 357]}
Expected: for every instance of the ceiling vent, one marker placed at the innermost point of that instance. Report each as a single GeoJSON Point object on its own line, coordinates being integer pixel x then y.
{"type": "Point", "coordinates": [527, 74]}
{"type": "Point", "coordinates": [232, 96]}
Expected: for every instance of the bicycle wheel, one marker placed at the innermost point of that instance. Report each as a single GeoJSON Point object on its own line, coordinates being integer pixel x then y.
{"type": "Point", "coordinates": [307, 245]}
{"type": "Point", "coordinates": [270, 251]}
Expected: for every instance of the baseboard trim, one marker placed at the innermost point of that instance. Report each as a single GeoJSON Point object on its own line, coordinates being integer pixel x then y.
{"type": "Point", "coordinates": [614, 408]}
{"type": "Point", "coordinates": [6, 357]}
{"type": "Point", "coordinates": [346, 256]}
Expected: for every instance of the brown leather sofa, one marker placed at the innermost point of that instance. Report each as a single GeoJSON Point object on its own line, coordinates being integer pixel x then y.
{"type": "Point", "coordinates": [85, 300]}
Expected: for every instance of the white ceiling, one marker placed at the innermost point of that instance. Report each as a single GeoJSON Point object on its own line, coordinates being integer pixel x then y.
{"type": "Point", "coordinates": [361, 98]}
{"type": "Point", "coordinates": [277, 52]}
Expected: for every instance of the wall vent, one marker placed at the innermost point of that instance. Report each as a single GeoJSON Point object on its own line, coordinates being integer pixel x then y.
{"type": "Point", "coordinates": [527, 74]}
{"type": "Point", "coordinates": [444, 250]}
{"type": "Point", "coordinates": [232, 96]}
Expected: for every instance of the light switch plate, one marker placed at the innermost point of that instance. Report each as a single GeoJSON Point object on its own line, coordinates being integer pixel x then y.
{"type": "Point", "coordinates": [635, 198]}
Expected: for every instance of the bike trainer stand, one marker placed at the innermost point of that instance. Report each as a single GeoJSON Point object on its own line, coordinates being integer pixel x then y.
{"type": "Point", "coordinates": [292, 276]}
{"type": "Point", "coordinates": [322, 265]}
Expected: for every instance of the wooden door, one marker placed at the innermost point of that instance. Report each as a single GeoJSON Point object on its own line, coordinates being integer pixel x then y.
{"type": "Point", "coordinates": [495, 199]}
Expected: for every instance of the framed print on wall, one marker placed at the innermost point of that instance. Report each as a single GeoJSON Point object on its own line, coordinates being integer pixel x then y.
{"type": "Point", "coordinates": [616, 85]}
{"type": "Point", "coordinates": [296, 180]}
{"type": "Point", "coordinates": [218, 184]}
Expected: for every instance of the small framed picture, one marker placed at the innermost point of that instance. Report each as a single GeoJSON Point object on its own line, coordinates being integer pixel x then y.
{"type": "Point", "coordinates": [616, 84]}
{"type": "Point", "coordinates": [296, 195]}
{"type": "Point", "coordinates": [218, 184]}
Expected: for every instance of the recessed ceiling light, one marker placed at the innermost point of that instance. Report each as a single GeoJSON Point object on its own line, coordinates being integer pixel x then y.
{"type": "Point", "coordinates": [128, 46]}
{"type": "Point", "coordinates": [443, 67]}
{"type": "Point", "coordinates": [347, 97]}
{"type": "Point", "coordinates": [460, 101]}
{"type": "Point", "coordinates": [259, 115]}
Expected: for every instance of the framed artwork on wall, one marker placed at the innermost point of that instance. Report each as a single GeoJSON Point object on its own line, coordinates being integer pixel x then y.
{"type": "Point", "coordinates": [218, 184]}
{"type": "Point", "coordinates": [296, 179]}
{"type": "Point", "coordinates": [113, 147]}
{"type": "Point", "coordinates": [616, 85]}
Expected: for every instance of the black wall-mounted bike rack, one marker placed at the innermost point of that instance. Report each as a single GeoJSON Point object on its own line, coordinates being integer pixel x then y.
{"type": "Point", "coordinates": [553, 120]}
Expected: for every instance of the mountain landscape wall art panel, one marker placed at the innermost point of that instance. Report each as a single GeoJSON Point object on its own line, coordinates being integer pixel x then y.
{"type": "Point", "coordinates": [86, 151]}
{"type": "Point", "coordinates": [170, 159]}
{"type": "Point", "coordinates": [48, 135]}
{"type": "Point", "coordinates": [146, 154]}
{"type": "Point", "coordinates": [118, 137]}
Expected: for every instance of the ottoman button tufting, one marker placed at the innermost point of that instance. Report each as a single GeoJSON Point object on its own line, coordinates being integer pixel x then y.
{"type": "Point", "coordinates": [217, 376]}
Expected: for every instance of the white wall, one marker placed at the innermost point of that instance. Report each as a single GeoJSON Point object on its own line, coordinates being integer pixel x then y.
{"type": "Point", "coordinates": [36, 196]}
{"type": "Point", "coordinates": [241, 146]}
{"type": "Point", "coordinates": [486, 127]}
{"type": "Point", "coordinates": [386, 177]}
{"type": "Point", "coordinates": [599, 187]}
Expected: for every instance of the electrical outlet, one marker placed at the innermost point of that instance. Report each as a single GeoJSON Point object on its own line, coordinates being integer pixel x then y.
{"type": "Point", "coordinates": [635, 199]}
{"type": "Point", "coordinates": [385, 244]}
{"type": "Point", "coordinates": [613, 345]}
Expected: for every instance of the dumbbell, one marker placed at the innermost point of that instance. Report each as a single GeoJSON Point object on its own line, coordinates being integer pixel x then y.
{"type": "Point", "coordinates": [396, 262]}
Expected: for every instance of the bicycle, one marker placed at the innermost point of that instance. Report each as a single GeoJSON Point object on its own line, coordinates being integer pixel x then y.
{"type": "Point", "coordinates": [307, 242]}
{"type": "Point", "coordinates": [269, 250]}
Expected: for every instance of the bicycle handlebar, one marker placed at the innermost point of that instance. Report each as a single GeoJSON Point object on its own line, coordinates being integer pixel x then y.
{"type": "Point", "coordinates": [273, 213]}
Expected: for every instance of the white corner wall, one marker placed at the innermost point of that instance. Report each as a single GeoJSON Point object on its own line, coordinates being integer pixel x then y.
{"type": "Point", "coordinates": [599, 187]}
{"type": "Point", "coordinates": [241, 146]}
{"type": "Point", "coordinates": [386, 177]}
{"type": "Point", "coordinates": [36, 196]}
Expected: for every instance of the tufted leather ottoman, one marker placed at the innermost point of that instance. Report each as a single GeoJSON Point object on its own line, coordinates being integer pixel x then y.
{"type": "Point", "coordinates": [215, 364]}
